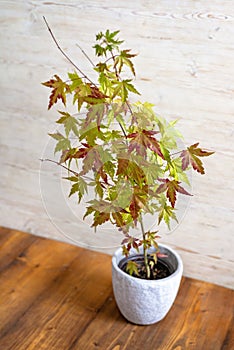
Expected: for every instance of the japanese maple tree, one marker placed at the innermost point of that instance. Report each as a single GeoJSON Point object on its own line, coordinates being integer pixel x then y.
{"type": "Point", "coordinates": [124, 152]}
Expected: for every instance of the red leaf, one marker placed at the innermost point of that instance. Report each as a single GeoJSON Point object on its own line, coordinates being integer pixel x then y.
{"type": "Point", "coordinates": [130, 169]}
{"type": "Point", "coordinates": [138, 202]}
{"type": "Point", "coordinates": [59, 90]}
{"type": "Point", "coordinates": [171, 187]}
{"type": "Point", "coordinates": [122, 166]}
{"type": "Point", "coordinates": [134, 208]}
{"type": "Point", "coordinates": [100, 218]}
{"type": "Point", "coordinates": [142, 140]}
{"type": "Point", "coordinates": [190, 156]}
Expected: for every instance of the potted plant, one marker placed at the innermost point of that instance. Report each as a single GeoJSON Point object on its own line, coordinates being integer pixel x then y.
{"type": "Point", "coordinates": [126, 157]}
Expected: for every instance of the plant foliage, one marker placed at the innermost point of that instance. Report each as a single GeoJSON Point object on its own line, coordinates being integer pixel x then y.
{"type": "Point", "coordinates": [125, 153]}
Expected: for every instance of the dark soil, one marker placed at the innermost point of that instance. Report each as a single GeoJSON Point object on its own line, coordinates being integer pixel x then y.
{"type": "Point", "coordinates": [158, 271]}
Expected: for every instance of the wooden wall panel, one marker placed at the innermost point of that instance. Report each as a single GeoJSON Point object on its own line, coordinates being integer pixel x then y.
{"type": "Point", "coordinates": [185, 66]}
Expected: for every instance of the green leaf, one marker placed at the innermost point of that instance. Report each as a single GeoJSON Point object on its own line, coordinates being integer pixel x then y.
{"type": "Point", "coordinates": [124, 58]}
{"type": "Point", "coordinates": [80, 187]}
{"type": "Point", "coordinates": [76, 81]}
{"type": "Point", "coordinates": [57, 136]}
{"type": "Point", "coordinates": [89, 211]}
{"type": "Point", "coordinates": [62, 145]}
{"type": "Point", "coordinates": [166, 212]}
{"type": "Point", "coordinates": [70, 123]}
{"type": "Point", "coordinates": [91, 133]}
{"type": "Point", "coordinates": [181, 174]}
{"type": "Point", "coordinates": [81, 93]}
{"type": "Point", "coordinates": [124, 193]}
{"type": "Point", "coordinates": [109, 168]}
{"type": "Point", "coordinates": [99, 189]}
{"type": "Point", "coordinates": [122, 89]}
{"type": "Point", "coordinates": [132, 268]}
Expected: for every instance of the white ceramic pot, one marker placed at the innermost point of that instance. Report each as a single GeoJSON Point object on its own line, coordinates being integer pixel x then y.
{"type": "Point", "coordinates": [143, 301]}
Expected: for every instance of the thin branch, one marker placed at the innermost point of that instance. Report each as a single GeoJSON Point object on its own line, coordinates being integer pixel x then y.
{"type": "Point", "coordinates": [85, 54]}
{"type": "Point", "coordinates": [70, 170]}
{"type": "Point", "coordinates": [63, 166]}
{"type": "Point", "coordinates": [65, 55]}
{"type": "Point", "coordinates": [123, 131]}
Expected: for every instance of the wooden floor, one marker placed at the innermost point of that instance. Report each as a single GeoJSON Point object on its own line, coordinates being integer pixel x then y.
{"type": "Point", "coordinates": [55, 296]}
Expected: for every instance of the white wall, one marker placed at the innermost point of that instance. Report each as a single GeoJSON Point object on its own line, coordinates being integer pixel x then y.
{"type": "Point", "coordinates": [185, 66]}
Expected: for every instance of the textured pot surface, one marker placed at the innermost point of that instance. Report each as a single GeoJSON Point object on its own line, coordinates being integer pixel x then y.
{"type": "Point", "coordinates": [143, 301]}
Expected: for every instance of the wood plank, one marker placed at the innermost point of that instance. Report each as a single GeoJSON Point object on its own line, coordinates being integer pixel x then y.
{"type": "Point", "coordinates": [198, 320]}
{"type": "Point", "coordinates": [51, 293]}
{"type": "Point", "coordinates": [12, 244]}
{"type": "Point", "coordinates": [28, 275]}
{"type": "Point", "coordinates": [57, 296]}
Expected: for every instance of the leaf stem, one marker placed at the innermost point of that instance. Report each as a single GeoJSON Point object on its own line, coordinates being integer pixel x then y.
{"type": "Point", "coordinates": [145, 250]}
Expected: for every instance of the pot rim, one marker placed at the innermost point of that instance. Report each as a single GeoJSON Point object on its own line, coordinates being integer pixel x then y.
{"type": "Point", "coordinates": [178, 271]}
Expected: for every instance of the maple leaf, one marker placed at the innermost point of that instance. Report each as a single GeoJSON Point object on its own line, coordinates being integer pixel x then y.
{"type": "Point", "coordinates": [121, 194]}
{"type": "Point", "coordinates": [80, 186]}
{"type": "Point", "coordinates": [166, 212]}
{"type": "Point", "coordinates": [89, 154]}
{"type": "Point", "coordinates": [103, 175]}
{"type": "Point", "coordinates": [91, 160]}
{"type": "Point", "coordinates": [108, 42]}
{"type": "Point", "coordinates": [69, 122]}
{"type": "Point", "coordinates": [59, 90]}
{"type": "Point", "coordinates": [131, 242]}
{"type": "Point", "coordinates": [109, 168]}
{"type": "Point", "coordinates": [122, 89]}
{"type": "Point", "coordinates": [171, 187]}
{"type": "Point", "coordinates": [75, 79]}
{"type": "Point", "coordinates": [143, 139]}
{"type": "Point", "coordinates": [100, 218]}
{"type": "Point", "coordinates": [190, 156]}
{"type": "Point", "coordinates": [124, 58]}
{"type": "Point", "coordinates": [104, 81]}
{"type": "Point", "coordinates": [132, 268]}
{"type": "Point", "coordinates": [134, 208]}
{"type": "Point", "coordinates": [119, 221]}
{"type": "Point", "coordinates": [139, 201]}
{"type": "Point", "coordinates": [90, 133]}
{"type": "Point", "coordinates": [95, 114]}
{"type": "Point", "coordinates": [83, 151]}
{"type": "Point", "coordinates": [131, 170]}
{"type": "Point", "coordinates": [67, 154]}
{"type": "Point", "coordinates": [150, 240]}
{"type": "Point", "coordinates": [99, 188]}
{"type": "Point", "coordinates": [80, 94]}
{"type": "Point", "coordinates": [62, 144]}
{"type": "Point", "coordinates": [97, 94]}
{"type": "Point", "coordinates": [125, 250]}
{"type": "Point", "coordinates": [100, 209]}
{"type": "Point", "coordinates": [122, 166]}
{"type": "Point", "coordinates": [88, 93]}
